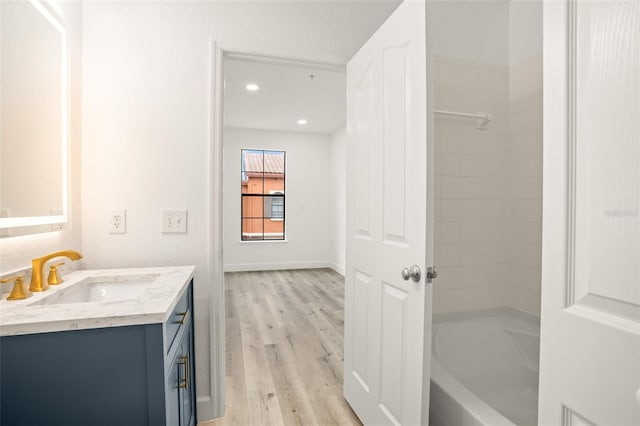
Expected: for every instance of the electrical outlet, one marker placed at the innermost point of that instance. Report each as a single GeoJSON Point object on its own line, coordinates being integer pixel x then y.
{"type": "Point", "coordinates": [174, 221]}
{"type": "Point", "coordinates": [118, 222]}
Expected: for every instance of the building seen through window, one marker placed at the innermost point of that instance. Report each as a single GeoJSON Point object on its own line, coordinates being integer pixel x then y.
{"type": "Point", "coordinates": [263, 195]}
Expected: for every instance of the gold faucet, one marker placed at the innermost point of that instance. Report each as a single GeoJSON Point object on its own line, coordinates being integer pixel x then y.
{"type": "Point", "coordinates": [37, 283]}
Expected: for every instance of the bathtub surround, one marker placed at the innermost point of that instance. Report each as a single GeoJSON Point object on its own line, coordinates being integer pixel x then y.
{"type": "Point", "coordinates": [471, 187]}
{"type": "Point", "coordinates": [487, 237]}
{"type": "Point", "coordinates": [488, 182]}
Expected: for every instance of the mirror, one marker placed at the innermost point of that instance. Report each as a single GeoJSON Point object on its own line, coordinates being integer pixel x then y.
{"type": "Point", "coordinates": [34, 104]}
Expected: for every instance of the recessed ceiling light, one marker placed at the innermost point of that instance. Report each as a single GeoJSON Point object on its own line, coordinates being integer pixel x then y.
{"type": "Point", "coordinates": [252, 87]}
{"type": "Point", "coordinates": [302, 122]}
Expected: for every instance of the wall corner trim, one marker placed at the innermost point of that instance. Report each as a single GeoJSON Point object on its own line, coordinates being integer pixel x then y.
{"type": "Point", "coordinates": [337, 268]}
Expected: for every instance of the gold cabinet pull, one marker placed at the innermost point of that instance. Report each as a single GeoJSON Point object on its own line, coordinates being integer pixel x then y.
{"type": "Point", "coordinates": [184, 363]}
{"type": "Point", "coordinates": [184, 316]}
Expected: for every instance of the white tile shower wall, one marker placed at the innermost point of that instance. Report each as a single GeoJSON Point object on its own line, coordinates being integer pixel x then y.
{"type": "Point", "coordinates": [472, 187]}
{"type": "Point", "coordinates": [488, 186]}
{"type": "Point", "coordinates": [525, 183]}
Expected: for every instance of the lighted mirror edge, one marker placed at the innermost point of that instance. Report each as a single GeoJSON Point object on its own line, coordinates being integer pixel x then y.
{"type": "Point", "coordinates": [18, 222]}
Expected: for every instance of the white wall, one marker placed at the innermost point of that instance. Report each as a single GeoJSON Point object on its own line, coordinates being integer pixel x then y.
{"type": "Point", "coordinates": [474, 30]}
{"type": "Point", "coordinates": [308, 212]}
{"type": "Point", "coordinates": [525, 29]}
{"type": "Point", "coordinates": [145, 146]}
{"type": "Point", "coordinates": [338, 196]}
{"type": "Point", "coordinates": [147, 126]}
{"type": "Point", "coordinates": [16, 252]}
{"type": "Point", "coordinates": [525, 155]}
{"type": "Point", "coordinates": [146, 129]}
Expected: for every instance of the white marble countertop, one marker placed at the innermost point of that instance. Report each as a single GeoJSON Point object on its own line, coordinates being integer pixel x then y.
{"type": "Point", "coordinates": [154, 305]}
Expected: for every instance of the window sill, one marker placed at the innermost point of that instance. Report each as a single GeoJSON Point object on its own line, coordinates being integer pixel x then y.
{"type": "Point", "coordinates": [262, 241]}
{"type": "Point", "coordinates": [276, 219]}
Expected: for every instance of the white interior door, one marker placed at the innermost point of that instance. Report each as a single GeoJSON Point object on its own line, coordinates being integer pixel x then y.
{"type": "Point", "coordinates": [590, 348]}
{"type": "Point", "coordinates": [388, 318]}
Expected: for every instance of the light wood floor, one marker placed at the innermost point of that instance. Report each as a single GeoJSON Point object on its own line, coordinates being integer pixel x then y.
{"type": "Point", "coordinates": [284, 343]}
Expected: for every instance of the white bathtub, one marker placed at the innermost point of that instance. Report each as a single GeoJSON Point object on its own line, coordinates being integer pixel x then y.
{"type": "Point", "coordinates": [484, 370]}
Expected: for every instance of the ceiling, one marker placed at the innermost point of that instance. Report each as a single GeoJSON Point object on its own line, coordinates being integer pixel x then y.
{"type": "Point", "coordinates": [333, 31]}
{"type": "Point", "coordinates": [320, 30]}
{"type": "Point", "coordinates": [287, 94]}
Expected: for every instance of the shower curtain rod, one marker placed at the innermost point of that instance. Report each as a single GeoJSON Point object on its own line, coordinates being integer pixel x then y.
{"type": "Point", "coordinates": [483, 117]}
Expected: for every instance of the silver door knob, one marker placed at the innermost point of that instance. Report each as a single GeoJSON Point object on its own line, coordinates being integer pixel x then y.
{"type": "Point", "coordinates": [412, 272]}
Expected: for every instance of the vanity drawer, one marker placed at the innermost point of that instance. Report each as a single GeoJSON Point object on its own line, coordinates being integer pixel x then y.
{"type": "Point", "coordinates": [178, 318]}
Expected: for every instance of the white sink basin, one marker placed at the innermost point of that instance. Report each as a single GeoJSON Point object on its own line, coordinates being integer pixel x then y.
{"type": "Point", "coordinates": [101, 289]}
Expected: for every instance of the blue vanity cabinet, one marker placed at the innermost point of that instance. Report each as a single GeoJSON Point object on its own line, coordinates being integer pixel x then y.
{"type": "Point", "coordinates": [186, 380]}
{"type": "Point", "coordinates": [129, 375]}
{"type": "Point", "coordinates": [180, 365]}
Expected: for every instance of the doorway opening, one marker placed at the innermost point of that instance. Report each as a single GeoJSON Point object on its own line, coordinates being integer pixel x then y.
{"type": "Point", "coordinates": [283, 164]}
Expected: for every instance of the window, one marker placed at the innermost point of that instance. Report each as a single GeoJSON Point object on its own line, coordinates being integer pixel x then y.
{"type": "Point", "coordinates": [277, 206]}
{"type": "Point", "coordinates": [263, 195]}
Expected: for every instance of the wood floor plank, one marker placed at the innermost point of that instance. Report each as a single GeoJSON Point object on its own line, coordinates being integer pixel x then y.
{"type": "Point", "coordinates": [328, 334]}
{"type": "Point", "coordinates": [284, 344]}
{"type": "Point", "coordinates": [296, 409]}
{"type": "Point", "coordinates": [263, 405]}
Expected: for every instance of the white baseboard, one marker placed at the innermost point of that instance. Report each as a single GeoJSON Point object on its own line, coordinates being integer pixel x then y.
{"type": "Point", "coordinates": [337, 268]}
{"type": "Point", "coordinates": [204, 408]}
{"type": "Point", "coordinates": [245, 267]}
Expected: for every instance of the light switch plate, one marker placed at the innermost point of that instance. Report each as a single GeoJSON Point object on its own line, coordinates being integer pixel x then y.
{"type": "Point", "coordinates": [174, 221]}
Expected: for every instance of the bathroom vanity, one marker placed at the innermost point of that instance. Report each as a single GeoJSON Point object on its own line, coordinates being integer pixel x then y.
{"type": "Point", "coordinates": [108, 347]}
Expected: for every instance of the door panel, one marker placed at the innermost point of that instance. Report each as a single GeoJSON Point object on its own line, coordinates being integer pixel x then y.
{"type": "Point", "coordinates": [364, 122]}
{"type": "Point", "coordinates": [394, 143]}
{"type": "Point", "coordinates": [394, 344]}
{"type": "Point", "coordinates": [361, 314]}
{"type": "Point", "coordinates": [590, 326]}
{"type": "Point", "coordinates": [607, 185]}
{"type": "Point", "coordinates": [387, 319]}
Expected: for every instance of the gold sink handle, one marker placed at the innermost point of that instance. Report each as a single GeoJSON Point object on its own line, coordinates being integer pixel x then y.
{"type": "Point", "coordinates": [54, 278]}
{"type": "Point", "coordinates": [18, 292]}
